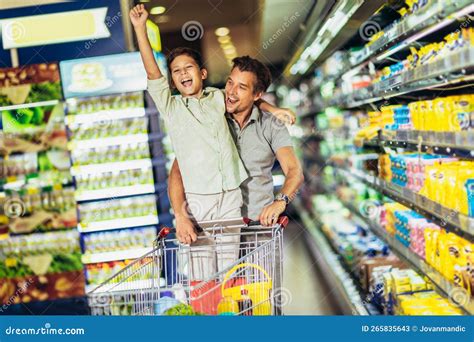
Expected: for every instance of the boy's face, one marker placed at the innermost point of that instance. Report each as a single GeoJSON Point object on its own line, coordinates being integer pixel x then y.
{"type": "Point", "coordinates": [186, 76]}
{"type": "Point", "coordinates": [239, 91]}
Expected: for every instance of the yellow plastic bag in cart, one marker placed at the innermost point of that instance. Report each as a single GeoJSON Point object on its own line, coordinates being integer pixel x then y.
{"type": "Point", "coordinates": [258, 291]}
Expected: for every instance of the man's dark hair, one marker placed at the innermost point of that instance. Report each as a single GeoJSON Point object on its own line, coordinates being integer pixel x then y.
{"type": "Point", "coordinates": [261, 72]}
{"type": "Point", "coordinates": [185, 51]}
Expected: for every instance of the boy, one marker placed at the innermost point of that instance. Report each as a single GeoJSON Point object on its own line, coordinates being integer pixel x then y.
{"type": "Point", "coordinates": [210, 165]}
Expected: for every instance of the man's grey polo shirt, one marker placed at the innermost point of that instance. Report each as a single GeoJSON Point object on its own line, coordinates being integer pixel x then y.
{"type": "Point", "coordinates": [257, 144]}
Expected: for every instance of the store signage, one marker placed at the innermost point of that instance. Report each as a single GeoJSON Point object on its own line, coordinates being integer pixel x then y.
{"type": "Point", "coordinates": [103, 75]}
{"type": "Point", "coordinates": [153, 35]}
{"type": "Point", "coordinates": [54, 28]}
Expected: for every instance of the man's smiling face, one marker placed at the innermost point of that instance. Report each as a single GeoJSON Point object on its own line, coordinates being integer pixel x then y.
{"type": "Point", "coordinates": [239, 91]}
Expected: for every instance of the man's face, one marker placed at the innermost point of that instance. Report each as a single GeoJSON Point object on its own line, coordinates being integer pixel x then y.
{"type": "Point", "coordinates": [239, 91]}
{"type": "Point", "coordinates": [186, 75]}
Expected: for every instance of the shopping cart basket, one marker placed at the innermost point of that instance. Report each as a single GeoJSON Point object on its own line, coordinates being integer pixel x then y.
{"type": "Point", "coordinates": [233, 268]}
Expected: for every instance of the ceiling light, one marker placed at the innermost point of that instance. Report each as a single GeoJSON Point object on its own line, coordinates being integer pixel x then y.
{"type": "Point", "coordinates": [222, 31]}
{"type": "Point", "coordinates": [158, 10]}
{"type": "Point", "coordinates": [230, 50]}
{"type": "Point", "coordinates": [224, 39]}
{"type": "Point", "coordinates": [162, 19]}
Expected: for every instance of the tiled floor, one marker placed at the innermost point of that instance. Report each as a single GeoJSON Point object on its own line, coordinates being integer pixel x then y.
{"type": "Point", "coordinates": [304, 292]}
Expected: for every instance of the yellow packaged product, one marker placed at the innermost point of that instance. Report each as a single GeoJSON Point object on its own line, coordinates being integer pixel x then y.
{"type": "Point", "coordinates": [450, 186]}
{"type": "Point", "coordinates": [415, 115]}
{"type": "Point", "coordinates": [464, 174]}
{"type": "Point", "coordinates": [461, 116]}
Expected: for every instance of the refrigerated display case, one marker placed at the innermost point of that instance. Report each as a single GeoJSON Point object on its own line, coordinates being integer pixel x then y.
{"type": "Point", "coordinates": [40, 257]}
{"type": "Point", "coordinates": [387, 147]}
{"type": "Point", "coordinates": [118, 160]}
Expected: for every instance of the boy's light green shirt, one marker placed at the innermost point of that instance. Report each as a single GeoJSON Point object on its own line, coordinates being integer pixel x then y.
{"type": "Point", "coordinates": [208, 159]}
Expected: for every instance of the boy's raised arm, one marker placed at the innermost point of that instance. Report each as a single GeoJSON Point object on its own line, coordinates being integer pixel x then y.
{"type": "Point", "coordinates": [138, 17]}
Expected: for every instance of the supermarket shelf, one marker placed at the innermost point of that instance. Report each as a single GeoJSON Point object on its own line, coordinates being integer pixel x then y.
{"type": "Point", "coordinates": [31, 105]}
{"type": "Point", "coordinates": [17, 182]}
{"type": "Point", "coordinates": [115, 255]}
{"type": "Point", "coordinates": [444, 217]}
{"type": "Point", "coordinates": [128, 222]}
{"type": "Point", "coordinates": [111, 141]}
{"type": "Point", "coordinates": [448, 70]}
{"type": "Point", "coordinates": [105, 115]}
{"type": "Point", "coordinates": [414, 27]}
{"type": "Point", "coordinates": [459, 144]}
{"type": "Point", "coordinates": [114, 166]}
{"type": "Point", "coordinates": [332, 268]}
{"type": "Point", "coordinates": [442, 284]}
{"type": "Point", "coordinates": [125, 191]}
{"type": "Point", "coordinates": [126, 286]}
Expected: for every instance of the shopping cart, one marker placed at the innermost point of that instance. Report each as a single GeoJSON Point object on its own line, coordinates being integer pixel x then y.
{"type": "Point", "coordinates": [234, 268]}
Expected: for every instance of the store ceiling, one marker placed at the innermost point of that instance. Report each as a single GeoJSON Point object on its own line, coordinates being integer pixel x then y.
{"type": "Point", "coordinates": [251, 22]}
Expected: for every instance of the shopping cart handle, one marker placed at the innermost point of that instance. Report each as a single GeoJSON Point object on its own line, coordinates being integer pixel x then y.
{"type": "Point", "coordinates": [282, 222]}
{"type": "Point", "coordinates": [164, 232]}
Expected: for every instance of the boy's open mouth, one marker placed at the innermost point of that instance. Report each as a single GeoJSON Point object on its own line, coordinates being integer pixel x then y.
{"type": "Point", "coordinates": [187, 82]}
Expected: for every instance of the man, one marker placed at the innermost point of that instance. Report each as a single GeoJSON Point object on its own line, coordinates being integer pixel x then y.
{"type": "Point", "coordinates": [260, 139]}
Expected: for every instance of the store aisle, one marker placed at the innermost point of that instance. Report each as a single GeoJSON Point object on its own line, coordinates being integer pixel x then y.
{"type": "Point", "coordinates": [305, 292]}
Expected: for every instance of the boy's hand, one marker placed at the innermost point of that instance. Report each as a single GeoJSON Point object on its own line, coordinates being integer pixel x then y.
{"type": "Point", "coordinates": [286, 115]}
{"type": "Point", "coordinates": [185, 231]}
{"type": "Point", "coordinates": [138, 16]}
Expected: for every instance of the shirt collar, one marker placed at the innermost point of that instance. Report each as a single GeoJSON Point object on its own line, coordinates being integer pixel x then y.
{"type": "Point", "coordinates": [254, 115]}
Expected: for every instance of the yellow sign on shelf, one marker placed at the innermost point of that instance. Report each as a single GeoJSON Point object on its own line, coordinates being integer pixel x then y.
{"type": "Point", "coordinates": [153, 35]}
{"type": "Point", "coordinates": [54, 28]}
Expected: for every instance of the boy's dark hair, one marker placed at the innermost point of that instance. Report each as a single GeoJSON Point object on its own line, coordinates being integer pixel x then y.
{"type": "Point", "coordinates": [185, 51]}
{"type": "Point", "coordinates": [260, 70]}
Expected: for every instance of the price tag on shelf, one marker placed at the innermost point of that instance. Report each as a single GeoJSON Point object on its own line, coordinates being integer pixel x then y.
{"type": "Point", "coordinates": [437, 209]}
{"type": "Point", "coordinates": [408, 195]}
{"type": "Point", "coordinates": [469, 138]}
{"type": "Point", "coordinates": [466, 223]}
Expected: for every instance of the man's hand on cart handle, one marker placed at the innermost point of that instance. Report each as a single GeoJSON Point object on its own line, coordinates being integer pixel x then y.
{"type": "Point", "coordinates": [270, 213]}
{"type": "Point", "coordinates": [282, 221]}
{"type": "Point", "coordinates": [185, 230]}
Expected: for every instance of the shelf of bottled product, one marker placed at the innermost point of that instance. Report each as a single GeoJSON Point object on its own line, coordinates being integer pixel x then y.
{"type": "Point", "coordinates": [125, 286]}
{"type": "Point", "coordinates": [115, 255]}
{"type": "Point", "coordinates": [447, 70]}
{"type": "Point", "coordinates": [113, 141]}
{"type": "Point", "coordinates": [112, 166]}
{"type": "Point", "coordinates": [413, 27]}
{"type": "Point", "coordinates": [104, 116]}
{"type": "Point", "coordinates": [339, 278]}
{"type": "Point", "coordinates": [445, 217]}
{"type": "Point", "coordinates": [127, 222]}
{"type": "Point", "coordinates": [19, 181]}
{"type": "Point", "coordinates": [124, 191]}
{"type": "Point", "coordinates": [446, 287]}
{"type": "Point", "coordinates": [447, 143]}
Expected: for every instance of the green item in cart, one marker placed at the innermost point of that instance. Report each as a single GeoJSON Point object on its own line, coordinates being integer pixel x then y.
{"type": "Point", "coordinates": [182, 310]}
